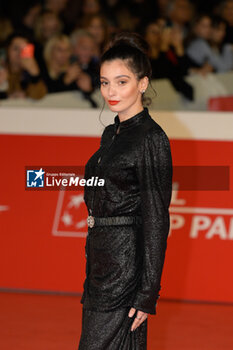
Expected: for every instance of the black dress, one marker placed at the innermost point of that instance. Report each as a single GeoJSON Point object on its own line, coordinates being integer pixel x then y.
{"type": "Point", "coordinates": [124, 263]}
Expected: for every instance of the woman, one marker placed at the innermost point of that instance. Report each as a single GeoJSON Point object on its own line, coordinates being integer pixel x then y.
{"type": "Point", "coordinates": [97, 25]}
{"type": "Point", "coordinates": [60, 75]}
{"type": "Point", "coordinates": [128, 221]}
{"type": "Point", "coordinates": [22, 72]}
{"type": "Point", "coordinates": [211, 52]}
{"type": "Point", "coordinates": [167, 57]}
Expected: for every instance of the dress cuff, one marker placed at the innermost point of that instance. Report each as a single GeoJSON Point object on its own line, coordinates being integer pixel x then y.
{"type": "Point", "coordinates": [145, 303]}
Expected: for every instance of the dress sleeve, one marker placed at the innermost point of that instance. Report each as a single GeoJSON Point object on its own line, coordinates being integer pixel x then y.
{"type": "Point", "coordinates": [154, 171]}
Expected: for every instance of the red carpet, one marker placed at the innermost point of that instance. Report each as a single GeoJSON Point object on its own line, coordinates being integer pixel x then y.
{"type": "Point", "coordinates": [53, 322]}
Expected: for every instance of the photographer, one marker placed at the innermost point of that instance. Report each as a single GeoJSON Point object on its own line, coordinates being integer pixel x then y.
{"type": "Point", "coordinates": [20, 73]}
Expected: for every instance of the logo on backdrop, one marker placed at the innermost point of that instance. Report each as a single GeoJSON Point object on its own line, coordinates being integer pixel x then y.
{"type": "Point", "coordinates": [70, 215]}
{"type": "Point", "coordinates": [35, 178]}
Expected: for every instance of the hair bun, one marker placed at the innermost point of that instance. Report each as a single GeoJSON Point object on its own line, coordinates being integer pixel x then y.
{"type": "Point", "coordinates": [130, 39]}
{"type": "Point", "coordinates": [133, 49]}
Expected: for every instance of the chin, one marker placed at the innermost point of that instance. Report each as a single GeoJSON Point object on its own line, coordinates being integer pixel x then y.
{"type": "Point", "coordinates": [114, 108]}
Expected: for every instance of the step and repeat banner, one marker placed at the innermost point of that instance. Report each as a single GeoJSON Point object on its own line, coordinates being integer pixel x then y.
{"type": "Point", "coordinates": [43, 230]}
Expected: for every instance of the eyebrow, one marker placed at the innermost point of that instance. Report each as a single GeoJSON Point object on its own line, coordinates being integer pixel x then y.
{"type": "Point", "coordinates": [119, 76]}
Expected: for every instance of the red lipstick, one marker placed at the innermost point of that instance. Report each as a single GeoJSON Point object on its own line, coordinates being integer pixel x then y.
{"type": "Point", "coordinates": [112, 103]}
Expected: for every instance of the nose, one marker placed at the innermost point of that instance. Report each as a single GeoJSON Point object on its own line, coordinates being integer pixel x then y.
{"type": "Point", "coordinates": [111, 91]}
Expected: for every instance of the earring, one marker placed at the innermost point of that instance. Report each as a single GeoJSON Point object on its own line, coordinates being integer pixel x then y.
{"type": "Point", "coordinates": [143, 91]}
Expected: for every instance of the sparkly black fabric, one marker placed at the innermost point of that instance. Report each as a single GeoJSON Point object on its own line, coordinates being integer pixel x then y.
{"type": "Point", "coordinates": [111, 331]}
{"type": "Point", "coordinates": [124, 263]}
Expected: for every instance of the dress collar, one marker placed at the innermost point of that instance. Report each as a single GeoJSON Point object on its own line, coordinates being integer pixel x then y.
{"type": "Point", "coordinates": [132, 121]}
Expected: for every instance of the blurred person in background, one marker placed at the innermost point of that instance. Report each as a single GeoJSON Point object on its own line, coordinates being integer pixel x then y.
{"type": "Point", "coordinates": [97, 25]}
{"type": "Point", "coordinates": [201, 28]}
{"type": "Point", "coordinates": [90, 7]}
{"type": "Point", "coordinates": [21, 72]}
{"type": "Point", "coordinates": [26, 18]}
{"type": "Point", "coordinates": [56, 6]}
{"type": "Point", "coordinates": [130, 14]}
{"type": "Point", "coordinates": [213, 53]}
{"type": "Point", "coordinates": [180, 13]}
{"type": "Point", "coordinates": [84, 54]}
{"type": "Point", "coordinates": [70, 15]}
{"type": "Point", "coordinates": [62, 8]}
{"type": "Point", "coordinates": [162, 8]}
{"type": "Point", "coordinates": [227, 15]}
{"type": "Point", "coordinates": [6, 28]}
{"type": "Point", "coordinates": [61, 74]}
{"type": "Point", "coordinates": [200, 33]}
{"type": "Point", "coordinates": [110, 9]}
{"type": "Point", "coordinates": [47, 25]}
{"type": "Point", "coordinates": [167, 56]}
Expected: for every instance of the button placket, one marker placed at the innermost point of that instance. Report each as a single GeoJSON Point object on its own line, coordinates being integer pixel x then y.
{"type": "Point", "coordinates": [98, 162]}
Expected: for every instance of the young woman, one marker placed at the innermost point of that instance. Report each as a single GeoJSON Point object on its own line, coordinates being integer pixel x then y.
{"type": "Point", "coordinates": [128, 220]}
{"type": "Point", "coordinates": [208, 49]}
{"type": "Point", "coordinates": [22, 73]}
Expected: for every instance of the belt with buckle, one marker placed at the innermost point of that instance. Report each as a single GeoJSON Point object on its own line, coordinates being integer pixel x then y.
{"type": "Point", "coordinates": [113, 220]}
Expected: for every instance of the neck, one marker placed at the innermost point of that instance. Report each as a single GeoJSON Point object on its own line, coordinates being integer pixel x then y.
{"type": "Point", "coordinates": [130, 113]}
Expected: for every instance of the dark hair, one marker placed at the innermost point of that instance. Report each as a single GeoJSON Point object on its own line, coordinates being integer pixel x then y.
{"type": "Point", "coordinates": [217, 20]}
{"type": "Point", "coordinates": [17, 34]}
{"type": "Point", "coordinates": [196, 20]}
{"type": "Point", "coordinates": [132, 48]}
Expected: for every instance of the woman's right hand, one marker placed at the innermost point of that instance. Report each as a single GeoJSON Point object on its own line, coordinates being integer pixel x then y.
{"type": "Point", "coordinates": [140, 317]}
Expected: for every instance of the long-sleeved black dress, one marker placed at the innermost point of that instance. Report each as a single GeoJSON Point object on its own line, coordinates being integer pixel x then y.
{"type": "Point", "coordinates": [124, 263]}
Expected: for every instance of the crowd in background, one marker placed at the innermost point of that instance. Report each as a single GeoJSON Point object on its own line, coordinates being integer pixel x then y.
{"type": "Point", "coordinates": [55, 45]}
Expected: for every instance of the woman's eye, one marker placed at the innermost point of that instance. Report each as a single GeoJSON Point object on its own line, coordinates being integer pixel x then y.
{"type": "Point", "coordinates": [122, 82]}
{"type": "Point", "coordinates": [103, 83]}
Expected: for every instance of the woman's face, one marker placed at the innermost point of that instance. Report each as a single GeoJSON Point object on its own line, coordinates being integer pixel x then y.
{"type": "Point", "coordinates": [218, 33]}
{"type": "Point", "coordinates": [228, 12]}
{"type": "Point", "coordinates": [153, 34]}
{"type": "Point", "coordinates": [97, 30]}
{"type": "Point", "coordinates": [203, 28]}
{"type": "Point", "coordinates": [61, 53]}
{"type": "Point", "coordinates": [14, 51]}
{"type": "Point", "coordinates": [84, 49]}
{"type": "Point", "coordinates": [50, 25]}
{"type": "Point", "coordinates": [120, 88]}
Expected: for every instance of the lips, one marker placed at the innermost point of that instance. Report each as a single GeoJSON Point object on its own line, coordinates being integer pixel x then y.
{"type": "Point", "coordinates": [112, 102]}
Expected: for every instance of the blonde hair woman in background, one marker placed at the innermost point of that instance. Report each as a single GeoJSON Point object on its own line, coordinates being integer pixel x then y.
{"type": "Point", "coordinates": [61, 74]}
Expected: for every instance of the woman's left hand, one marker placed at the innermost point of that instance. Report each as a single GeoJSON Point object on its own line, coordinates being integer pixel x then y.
{"type": "Point", "coordinates": [140, 314]}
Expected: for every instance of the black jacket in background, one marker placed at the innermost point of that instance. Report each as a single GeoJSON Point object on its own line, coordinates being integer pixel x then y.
{"type": "Point", "coordinates": [124, 263]}
{"type": "Point", "coordinates": [163, 68]}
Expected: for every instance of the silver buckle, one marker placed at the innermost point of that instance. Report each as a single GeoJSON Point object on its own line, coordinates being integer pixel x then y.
{"type": "Point", "coordinates": [90, 221]}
